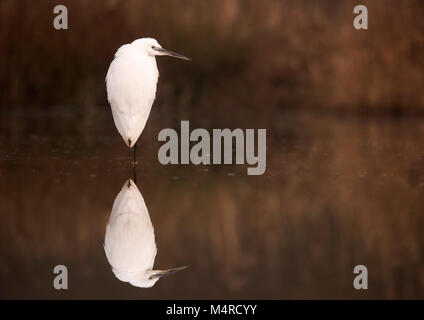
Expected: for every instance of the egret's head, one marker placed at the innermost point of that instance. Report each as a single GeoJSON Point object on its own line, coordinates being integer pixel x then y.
{"type": "Point", "coordinates": [152, 276]}
{"type": "Point", "coordinates": [150, 47]}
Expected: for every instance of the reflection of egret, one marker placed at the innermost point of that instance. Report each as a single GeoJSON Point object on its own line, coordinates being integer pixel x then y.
{"type": "Point", "coordinates": [130, 240]}
{"type": "Point", "coordinates": [131, 85]}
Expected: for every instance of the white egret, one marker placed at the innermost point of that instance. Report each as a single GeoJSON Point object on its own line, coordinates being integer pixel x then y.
{"type": "Point", "coordinates": [130, 245]}
{"type": "Point", "coordinates": [131, 85]}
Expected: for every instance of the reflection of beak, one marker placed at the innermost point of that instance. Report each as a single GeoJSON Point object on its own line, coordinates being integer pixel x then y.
{"type": "Point", "coordinates": [163, 273]}
{"type": "Point", "coordinates": [165, 52]}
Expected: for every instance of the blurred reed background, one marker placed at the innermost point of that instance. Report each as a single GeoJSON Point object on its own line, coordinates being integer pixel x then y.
{"type": "Point", "coordinates": [289, 54]}
{"type": "Point", "coordinates": [345, 156]}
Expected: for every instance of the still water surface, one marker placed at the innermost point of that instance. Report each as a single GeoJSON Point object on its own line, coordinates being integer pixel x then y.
{"type": "Point", "coordinates": [338, 191]}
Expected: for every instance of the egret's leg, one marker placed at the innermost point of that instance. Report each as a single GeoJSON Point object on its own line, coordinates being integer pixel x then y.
{"type": "Point", "coordinates": [135, 151]}
{"type": "Point", "coordinates": [135, 162]}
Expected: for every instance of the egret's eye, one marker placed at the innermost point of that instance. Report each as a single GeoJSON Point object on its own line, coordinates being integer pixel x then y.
{"type": "Point", "coordinates": [151, 278]}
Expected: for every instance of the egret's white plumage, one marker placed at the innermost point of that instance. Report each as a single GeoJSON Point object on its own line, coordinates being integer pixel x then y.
{"type": "Point", "coordinates": [129, 244]}
{"type": "Point", "coordinates": [131, 85]}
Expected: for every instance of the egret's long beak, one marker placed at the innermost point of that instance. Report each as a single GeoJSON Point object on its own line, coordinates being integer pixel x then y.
{"type": "Point", "coordinates": [163, 273]}
{"type": "Point", "coordinates": [165, 52]}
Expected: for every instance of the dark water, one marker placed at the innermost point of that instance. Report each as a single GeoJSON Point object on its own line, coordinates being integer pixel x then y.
{"type": "Point", "coordinates": [338, 191]}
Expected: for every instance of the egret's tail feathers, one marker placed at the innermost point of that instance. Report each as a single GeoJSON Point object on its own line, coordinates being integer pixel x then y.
{"type": "Point", "coordinates": [130, 142]}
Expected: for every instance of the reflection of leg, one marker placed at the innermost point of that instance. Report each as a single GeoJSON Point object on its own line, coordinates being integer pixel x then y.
{"type": "Point", "coordinates": [135, 175]}
{"type": "Point", "coordinates": [135, 162]}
